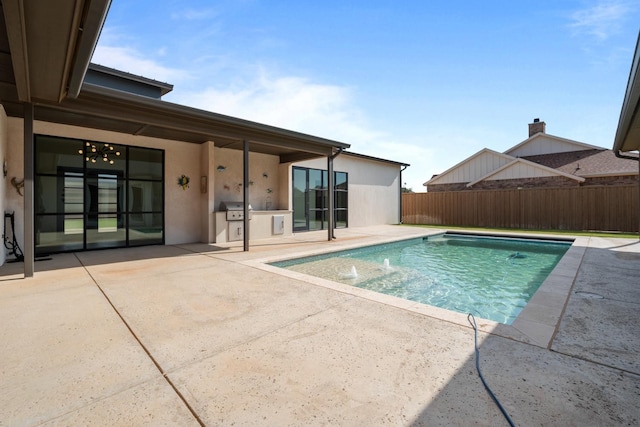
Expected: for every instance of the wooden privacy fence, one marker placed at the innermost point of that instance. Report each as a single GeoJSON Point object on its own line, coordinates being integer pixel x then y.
{"type": "Point", "coordinates": [602, 208]}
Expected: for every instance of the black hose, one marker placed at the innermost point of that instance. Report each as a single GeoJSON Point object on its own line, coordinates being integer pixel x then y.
{"type": "Point", "coordinates": [493, 396]}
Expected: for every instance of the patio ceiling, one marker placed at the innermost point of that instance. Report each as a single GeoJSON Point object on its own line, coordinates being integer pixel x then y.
{"type": "Point", "coordinates": [45, 50]}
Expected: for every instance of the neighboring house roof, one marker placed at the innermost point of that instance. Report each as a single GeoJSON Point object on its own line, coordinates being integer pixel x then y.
{"type": "Point", "coordinates": [522, 168]}
{"type": "Point", "coordinates": [472, 168]}
{"type": "Point", "coordinates": [587, 163]}
{"type": "Point", "coordinates": [544, 143]}
{"type": "Point", "coordinates": [541, 155]}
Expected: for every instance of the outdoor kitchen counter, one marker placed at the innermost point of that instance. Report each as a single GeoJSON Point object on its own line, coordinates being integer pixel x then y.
{"type": "Point", "coordinates": [263, 224]}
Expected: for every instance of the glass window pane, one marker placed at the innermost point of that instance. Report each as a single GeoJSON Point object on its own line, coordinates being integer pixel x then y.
{"type": "Point", "coordinates": [145, 196]}
{"type": "Point", "coordinates": [317, 199]}
{"type": "Point", "coordinates": [105, 231]}
{"type": "Point", "coordinates": [55, 233]}
{"type": "Point", "coordinates": [145, 229]}
{"type": "Point", "coordinates": [54, 153]}
{"type": "Point", "coordinates": [341, 218]}
{"type": "Point", "coordinates": [316, 219]}
{"type": "Point", "coordinates": [299, 199]}
{"type": "Point", "coordinates": [104, 193]}
{"type": "Point", "coordinates": [47, 198]}
{"type": "Point", "coordinates": [317, 179]}
{"type": "Point", "coordinates": [341, 199]}
{"type": "Point", "coordinates": [341, 180]}
{"type": "Point", "coordinates": [145, 163]}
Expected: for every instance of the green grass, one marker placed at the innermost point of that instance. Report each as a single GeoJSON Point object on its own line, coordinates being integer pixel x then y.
{"type": "Point", "coordinates": [553, 232]}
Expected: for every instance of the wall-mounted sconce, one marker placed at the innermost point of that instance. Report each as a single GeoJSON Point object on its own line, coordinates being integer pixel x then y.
{"type": "Point", "coordinates": [265, 175]}
{"type": "Point", "coordinates": [221, 168]}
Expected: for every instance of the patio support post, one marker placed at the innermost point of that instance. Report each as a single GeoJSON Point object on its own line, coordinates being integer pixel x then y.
{"type": "Point", "coordinates": [29, 241]}
{"type": "Point", "coordinates": [245, 197]}
{"type": "Point", "coordinates": [330, 193]}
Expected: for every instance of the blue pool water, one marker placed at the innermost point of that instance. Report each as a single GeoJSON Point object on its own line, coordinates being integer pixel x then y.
{"type": "Point", "coordinates": [492, 278]}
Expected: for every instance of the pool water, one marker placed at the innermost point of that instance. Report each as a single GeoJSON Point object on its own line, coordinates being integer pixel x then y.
{"type": "Point", "coordinates": [492, 278]}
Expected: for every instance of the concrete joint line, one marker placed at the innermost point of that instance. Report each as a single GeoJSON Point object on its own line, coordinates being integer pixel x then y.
{"type": "Point", "coordinates": [144, 348]}
{"type": "Point", "coordinates": [605, 365]}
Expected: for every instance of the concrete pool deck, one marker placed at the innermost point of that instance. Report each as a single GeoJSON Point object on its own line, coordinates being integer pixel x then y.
{"type": "Point", "coordinates": [210, 335]}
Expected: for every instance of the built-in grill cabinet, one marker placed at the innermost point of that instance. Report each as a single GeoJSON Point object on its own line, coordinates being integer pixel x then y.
{"type": "Point", "coordinates": [235, 219]}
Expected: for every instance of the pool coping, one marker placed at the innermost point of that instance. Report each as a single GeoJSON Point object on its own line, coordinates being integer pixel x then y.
{"type": "Point", "coordinates": [537, 324]}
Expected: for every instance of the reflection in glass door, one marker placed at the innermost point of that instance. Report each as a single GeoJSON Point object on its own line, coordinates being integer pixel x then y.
{"type": "Point", "coordinates": [104, 224]}
{"type": "Point", "coordinates": [300, 201]}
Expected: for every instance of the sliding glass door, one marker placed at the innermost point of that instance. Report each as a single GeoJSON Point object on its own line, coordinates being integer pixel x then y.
{"type": "Point", "coordinates": [89, 195]}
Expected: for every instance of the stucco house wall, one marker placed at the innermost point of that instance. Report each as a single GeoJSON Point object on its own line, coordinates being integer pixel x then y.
{"type": "Point", "coordinates": [374, 188]}
{"type": "Point", "coordinates": [263, 179]}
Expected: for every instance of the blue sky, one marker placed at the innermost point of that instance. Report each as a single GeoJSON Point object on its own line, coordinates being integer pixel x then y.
{"type": "Point", "coordinates": [427, 83]}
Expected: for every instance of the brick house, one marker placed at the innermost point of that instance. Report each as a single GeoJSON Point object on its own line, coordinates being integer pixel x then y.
{"type": "Point", "coordinates": [540, 161]}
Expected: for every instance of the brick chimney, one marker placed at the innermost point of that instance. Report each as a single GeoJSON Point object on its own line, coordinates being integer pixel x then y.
{"type": "Point", "coordinates": [536, 127]}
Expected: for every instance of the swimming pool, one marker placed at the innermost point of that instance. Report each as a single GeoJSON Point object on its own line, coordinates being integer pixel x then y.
{"type": "Point", "coordinates": [491, 277]}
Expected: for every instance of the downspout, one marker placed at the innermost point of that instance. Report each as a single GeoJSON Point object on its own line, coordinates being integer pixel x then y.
{"type": "Point", "coordinates": [331, 191]}
{"type": "Point", "coordinates": [400, 195]}
{"type": "Point", "coordinates": [637, 159]}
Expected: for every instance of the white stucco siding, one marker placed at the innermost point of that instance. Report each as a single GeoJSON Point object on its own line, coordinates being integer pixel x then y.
{"type": "Point", "coordinates": [182, 207]}
{"type": "Point", "coordinates": [374, 188]}
{"type": "Point", "coordinates": [475, 168]}
{"type": "Point", "coordinates": [520, 170]}
{"type": "Point", "coordinates": [545, 144]}
{"type": "Point", "coordinates": [263, 179]}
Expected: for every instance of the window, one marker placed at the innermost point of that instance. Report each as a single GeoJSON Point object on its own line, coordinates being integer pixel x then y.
{"type": "Point", "coordinates": [310, 204]}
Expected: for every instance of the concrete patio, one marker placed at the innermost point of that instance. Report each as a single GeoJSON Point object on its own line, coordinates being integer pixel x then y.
{"type": "Point", "coordinates": [209, 335]}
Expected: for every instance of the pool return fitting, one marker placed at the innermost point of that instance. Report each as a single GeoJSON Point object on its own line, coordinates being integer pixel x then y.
{"type": "Point", "coordinates": [473, 324]}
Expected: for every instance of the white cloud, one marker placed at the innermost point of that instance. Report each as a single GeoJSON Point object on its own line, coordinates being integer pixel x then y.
{"type": "Point", "coordinates": [193, 14]}
{"type": "Point", "coordinates": [290, 102]}
{"type": "Point", "coordinates": [601, 20]}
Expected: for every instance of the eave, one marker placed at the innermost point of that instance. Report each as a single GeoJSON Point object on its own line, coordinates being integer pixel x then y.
{"type": "Point", "coordinates": [628, 132]}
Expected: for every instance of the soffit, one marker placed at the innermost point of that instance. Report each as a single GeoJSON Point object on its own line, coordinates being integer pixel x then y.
{"type": "Point", "coordinates": [49, 46]}
{"type": "Point", "coordinates": [628, 133]}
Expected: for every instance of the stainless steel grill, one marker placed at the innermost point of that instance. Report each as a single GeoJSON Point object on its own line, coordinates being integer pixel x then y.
{"type": "Point", "coordinates": [235, 210]}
